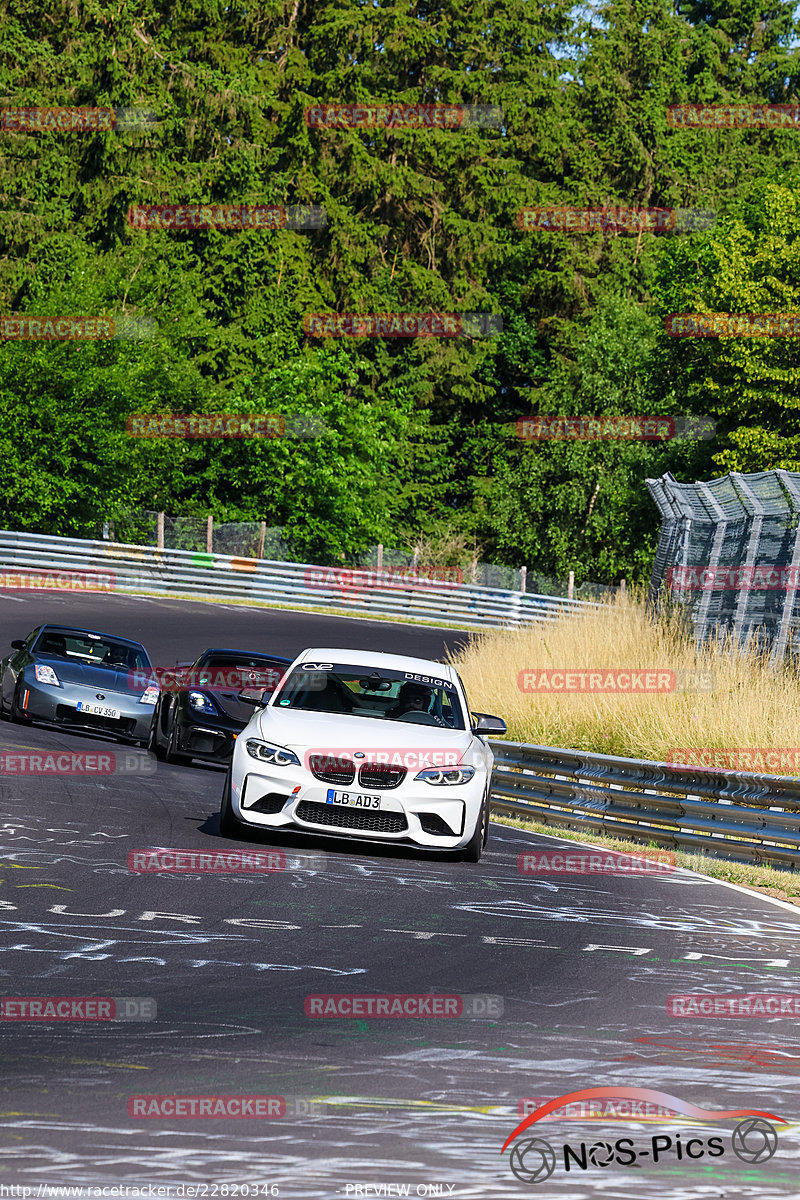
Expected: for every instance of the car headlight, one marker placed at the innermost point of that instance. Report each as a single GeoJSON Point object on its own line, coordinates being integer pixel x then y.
{"type": "Point", "coordinates": [46, 674]}
{"type": "Point", "coordinates": [149, 695]}
{"type": "Point", "coordinates": [441, 777]}
{"type": "Point", "coordinates": [202, 703]}
{"type": "Point", "coordinates": [277, 756]}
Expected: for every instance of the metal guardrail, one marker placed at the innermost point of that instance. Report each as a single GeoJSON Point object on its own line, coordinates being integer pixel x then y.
{"type": "Point", "coordinates": [726, 814]}
{"type": "Point", "coordinates": [143, 569]}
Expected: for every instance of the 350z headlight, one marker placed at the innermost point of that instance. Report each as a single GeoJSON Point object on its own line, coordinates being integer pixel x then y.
{"type": "Point", "coordinates": [276, 756]}
{"type": "Point", "coordinates": [442, 777]}
{"type": "Point", "coordinates": [45, 674]}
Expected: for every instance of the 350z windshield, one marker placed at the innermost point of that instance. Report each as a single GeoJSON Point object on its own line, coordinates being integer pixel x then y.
{"type": "Point", "coordinates": [384, 695]}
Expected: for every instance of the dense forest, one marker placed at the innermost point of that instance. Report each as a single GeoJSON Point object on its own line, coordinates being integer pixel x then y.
{"type": "Point", "coordinates": [415, 438]}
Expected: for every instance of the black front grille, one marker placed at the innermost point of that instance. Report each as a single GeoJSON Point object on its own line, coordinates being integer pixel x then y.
{"type": "Point", "coordinates": [272, 803]}
{"type": "Point", "coordinates": [380, 775]}
{"type": "Point", "coordinates": [330, 769]}
{"type": "Point", "coordinates": [351, 818]}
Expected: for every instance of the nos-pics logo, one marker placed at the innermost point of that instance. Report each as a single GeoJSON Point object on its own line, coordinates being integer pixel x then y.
{"type": "Point", "coordinates": [754, 1140]}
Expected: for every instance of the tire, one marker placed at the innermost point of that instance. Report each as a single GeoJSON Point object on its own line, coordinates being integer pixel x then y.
{"type": "Point", "coordinates": [474, 847]}
{"type": "Point", "coordinates": [229, 826]}
{"type": "Point", "coordinates": [153, 744]}
{"type": "Point", "coordinates": [172, 754]}
{"type": "Point", "coordinates": [15, 715]}
{"type": "Point", "coordinates": [488, 813]}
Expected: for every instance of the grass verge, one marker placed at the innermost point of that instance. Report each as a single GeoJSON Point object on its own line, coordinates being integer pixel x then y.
{"type": "Point", "coordinates": [717, 698]}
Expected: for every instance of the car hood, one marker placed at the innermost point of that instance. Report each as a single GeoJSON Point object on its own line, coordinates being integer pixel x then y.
{"type": "Point", "coordinates": [302, 731]}
{"type": "Point", "coordinates": [230, 705]}
{"type": "Point", "coordinates": [100, 679]}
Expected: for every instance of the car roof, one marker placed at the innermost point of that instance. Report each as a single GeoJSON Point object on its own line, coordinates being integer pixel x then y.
{"type": "Point", "coordinates": [245, 654]}
{"type": "Point", "coordinates": [117, 637]}
{"type": "Point", "coordinates": [373, 658]}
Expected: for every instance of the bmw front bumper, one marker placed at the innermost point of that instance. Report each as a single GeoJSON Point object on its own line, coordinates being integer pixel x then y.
{"type": "Point", "coordinates": [417, 813]}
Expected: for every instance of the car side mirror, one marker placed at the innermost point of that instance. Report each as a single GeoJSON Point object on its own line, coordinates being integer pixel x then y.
{"type": "Point", "coordinates": [254, 696]}
{"type": "Point", "coordinates": [17, 644]}
{"type": "Point", "coordinates": [483, 723]}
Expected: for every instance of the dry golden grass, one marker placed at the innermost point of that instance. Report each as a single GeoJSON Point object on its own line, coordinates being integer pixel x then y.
{"type": "Point", "coordinates": [751, 705]}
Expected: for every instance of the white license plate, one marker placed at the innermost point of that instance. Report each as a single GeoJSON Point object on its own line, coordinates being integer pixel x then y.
{"type": "Point", "coordinates": [351, 800]}
{"type": "Point", "coordinates": [98, 710]}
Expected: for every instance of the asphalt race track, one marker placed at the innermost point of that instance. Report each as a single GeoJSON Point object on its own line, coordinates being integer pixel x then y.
{"type": "Point", "coordinates": [583, 964]}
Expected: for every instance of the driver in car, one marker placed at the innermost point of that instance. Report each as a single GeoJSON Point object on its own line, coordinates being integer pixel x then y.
{"type": "Point", "coordinates": [412, 698]}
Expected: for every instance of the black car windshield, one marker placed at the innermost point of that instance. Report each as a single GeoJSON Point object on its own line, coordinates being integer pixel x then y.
{"type": "Point", "coordinates": [384, 695]}
{"type": "Point", "coordinates": [91, 649]}
{"type": "Point", "coordinates": [238, 671]}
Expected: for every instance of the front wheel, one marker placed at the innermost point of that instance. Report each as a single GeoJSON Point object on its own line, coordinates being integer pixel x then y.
{"type": "Point", "coordinates": [172, 754]}
{"type": "Point", "coordinates": [474, 847]}
{"type": "Point", "coordinates": [153, 744]}
{"type": "Point", "coordinates": [229, 826]}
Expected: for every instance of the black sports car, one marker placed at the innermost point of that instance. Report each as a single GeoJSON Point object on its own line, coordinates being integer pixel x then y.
{"type": "Point", "coordinates": [200, 712]}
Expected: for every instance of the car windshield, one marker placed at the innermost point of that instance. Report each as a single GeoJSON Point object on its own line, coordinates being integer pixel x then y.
{"type": "Point", "coordinates": [238, 671]}
{"type": "Point", "coordinates": [383, 695]}
{"type": "Point", "coordinates": [91, 649]}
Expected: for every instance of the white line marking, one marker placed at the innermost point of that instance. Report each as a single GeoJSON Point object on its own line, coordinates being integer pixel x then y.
{"type": "Point", "coordinates": [737, 887]}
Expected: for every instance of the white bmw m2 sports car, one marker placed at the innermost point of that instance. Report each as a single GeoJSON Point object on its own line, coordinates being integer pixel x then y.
{"type": "Point", "coordinates": [379, 747]}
